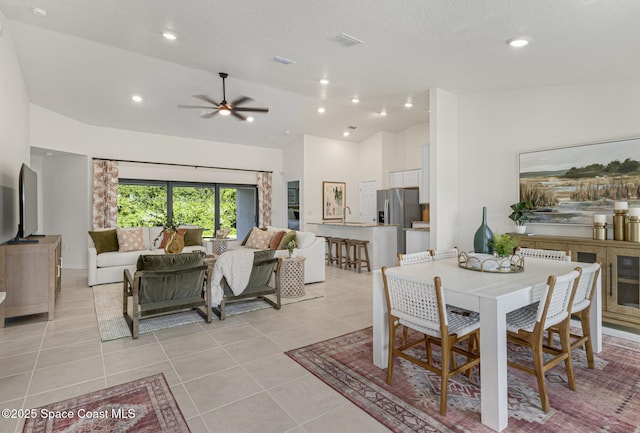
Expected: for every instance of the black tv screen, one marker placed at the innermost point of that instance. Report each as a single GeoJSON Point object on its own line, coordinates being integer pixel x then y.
{"type": "Point", "coordinates": [28, 192]}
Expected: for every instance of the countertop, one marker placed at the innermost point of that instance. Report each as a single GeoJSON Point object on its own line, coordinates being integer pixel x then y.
{"type": "Point", "coordinates": [418, 229]}
{"type": "Point", "coordinates": [353, 224]}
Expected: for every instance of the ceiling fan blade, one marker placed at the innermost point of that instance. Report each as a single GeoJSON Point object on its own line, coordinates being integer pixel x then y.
{"type": "Point", "coordinates": [239, 116]}
{"type": "Point", "coordinates": [202, 107]}
{"type": "Point", "coordinates": [205, 98]}
{"type": "Point", "coordinates": [241, 100]}
{"type": "Point", "coordinates": [209, 115]}
{"type": "Point", "coordinates": [252, 109]}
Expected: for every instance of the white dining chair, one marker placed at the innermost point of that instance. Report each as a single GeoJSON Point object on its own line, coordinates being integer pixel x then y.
{"type": "Point", "coordinates": [581, 309]}
{"type": "Point", "coordinates": [545, 254]}
{"type": "Point", "coordinates": [420, 305]}
{"type": "Point", "coordinates": [445, 254]}
{"type": "Point", "coordinates": [526, 327]}
{"type": "Point", "coordinates": [414, 258]}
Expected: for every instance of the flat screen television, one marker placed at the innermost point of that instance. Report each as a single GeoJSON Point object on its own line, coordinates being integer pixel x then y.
{"type": "Point", "coordinates": [28, 202]}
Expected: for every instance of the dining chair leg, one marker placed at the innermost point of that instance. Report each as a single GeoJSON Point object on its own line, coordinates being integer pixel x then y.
{"type": "Point", "coordinates": [392, 335]}
{"type": "Point", "coordinates": [539, 368]}
{"type": "Point", "coordinates": [565, 343]}
{"type": "Point", "coordinates": [429, 353]}
{"type": "Point", "coordinates": [405, 333]}
{"type": "Point", "coordinates": [444, 379]}
{"type": "Point", "coordinates": [586, 331]}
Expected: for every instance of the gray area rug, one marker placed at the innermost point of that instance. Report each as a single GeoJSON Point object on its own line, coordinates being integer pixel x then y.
{"type": "Point", "coordinates": [107, 300]}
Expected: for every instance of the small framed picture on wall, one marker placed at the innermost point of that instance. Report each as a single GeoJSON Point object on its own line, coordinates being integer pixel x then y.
{"type": "Point", "coordinates": [333, 199]}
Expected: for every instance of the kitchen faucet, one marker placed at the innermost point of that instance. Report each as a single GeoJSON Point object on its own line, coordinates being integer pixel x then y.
{"type": "Point", "coordinates": [344, 213]}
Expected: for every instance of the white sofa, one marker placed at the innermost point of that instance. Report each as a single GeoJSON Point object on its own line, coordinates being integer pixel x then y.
{"type": "Point", "coordinates": [313, 248]}
{"type": "Point", "coordinates": [109, 267]}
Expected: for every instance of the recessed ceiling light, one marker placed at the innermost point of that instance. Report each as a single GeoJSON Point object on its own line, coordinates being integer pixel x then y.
{"type": "Point", "coordinates": [383, 113]}
{"type": "Point", "coordinates": [286, 131]}
{"type": "Point", "coordinates": [324, 81]}
{"type": "Point", "coordinates": [345, 133]}
{"type": "Point", "coordinates": [49, 153]}
{"type": "Point", "coordinates": [136, 98]}
{"type": "Point", "coordinates": [39, 12]}
{"type": "Point", "coordinates": [355, 100]}
{"type": "Point", "coordinates": [408, 104]}
{"type": "Point", "coordinates": [518, 42]}
{"type": "Point", "coordinates": [169, 36]}
{"type": "Point", "coordinates": [321, 110]}
{"type": "Point", "coordinates": [250, 119]}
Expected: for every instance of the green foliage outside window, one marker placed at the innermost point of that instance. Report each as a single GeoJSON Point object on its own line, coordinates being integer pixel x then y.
{"type": "Point", "coordinates": [146, 206]}
{"type": "Point", "coordinates": [142, 205]}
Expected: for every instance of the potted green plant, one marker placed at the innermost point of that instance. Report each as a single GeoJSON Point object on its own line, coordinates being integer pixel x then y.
{"type": "Point", "coordinates": [520, 214]}
{"type": "Point", "coordinates": [503, 244]}
{"type": "Point", "coordinates": [291, 246]}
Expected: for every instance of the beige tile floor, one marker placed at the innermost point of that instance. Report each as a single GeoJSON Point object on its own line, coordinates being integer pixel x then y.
{"type": "Point", "coordinates": [229, 376]}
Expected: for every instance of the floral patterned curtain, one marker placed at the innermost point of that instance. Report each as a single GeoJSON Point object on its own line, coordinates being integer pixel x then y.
{"type": "Point", "coordinates": [264, 199]}
{"type": "Point", "coordinates": [105, 194]}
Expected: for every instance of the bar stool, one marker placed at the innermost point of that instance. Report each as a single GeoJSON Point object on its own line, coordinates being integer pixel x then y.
{"type": "Point", "coordinates": [336, 258]}
{"type": "Point", "coordinates": [359, 247]}
{"type": "Point", "coordinates": [351, 252]}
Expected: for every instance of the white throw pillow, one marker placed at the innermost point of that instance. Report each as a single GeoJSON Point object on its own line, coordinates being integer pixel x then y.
{"type": "Point", "coordinates": [259, 239]}
{"type": "Point", "coordinates": [304, 239]}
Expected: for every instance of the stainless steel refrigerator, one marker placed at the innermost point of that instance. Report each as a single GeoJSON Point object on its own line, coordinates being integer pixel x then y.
{"type": "Point", "coordinates": [399, 206]}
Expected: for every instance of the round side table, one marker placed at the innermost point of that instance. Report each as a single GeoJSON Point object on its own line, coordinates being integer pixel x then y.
{"type": "Point", "coordinates": [219, 246]}
{"type": "Point", "coordinates": [292, 277]}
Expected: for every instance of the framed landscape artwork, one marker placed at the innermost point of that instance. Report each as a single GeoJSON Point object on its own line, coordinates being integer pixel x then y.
{"type": "Point", "coordinates": [333, 200]}
{"type": "Point", "coordinates": [569, 185]}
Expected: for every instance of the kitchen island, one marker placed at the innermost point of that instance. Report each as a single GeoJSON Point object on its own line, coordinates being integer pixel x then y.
{"type": "Point", "coordinates": [382, 238]}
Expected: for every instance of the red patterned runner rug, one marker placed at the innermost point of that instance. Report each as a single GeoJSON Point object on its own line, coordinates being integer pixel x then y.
{"type": "Point", "coordinates": [607, 398]}
{"type": "Point", "coordinates": [144, 405]}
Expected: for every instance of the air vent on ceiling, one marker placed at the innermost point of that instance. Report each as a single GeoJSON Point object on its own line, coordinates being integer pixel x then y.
{"type": "Point", "coordinates": [347, 40]}
{"type": "Point", "coordinates": [352, 127]}
{"type": "Point", "coordinates": [284, 60]}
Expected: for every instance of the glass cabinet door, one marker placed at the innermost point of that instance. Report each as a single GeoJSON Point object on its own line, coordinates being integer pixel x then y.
{"type": "Point", "coordinates": [623, 291]}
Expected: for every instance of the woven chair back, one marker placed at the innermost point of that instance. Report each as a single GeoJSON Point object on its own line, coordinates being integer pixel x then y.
{"type": "Point", "coordinates": [545, 254]}
{"type": "Point", "coordinates": [445, 254]}
{"type": "Point", "coordinates": [558, 296]}
{"type": "Point", "coordinates": [586, 287]}
{"type": "Point", "coordinates": [414, 258]}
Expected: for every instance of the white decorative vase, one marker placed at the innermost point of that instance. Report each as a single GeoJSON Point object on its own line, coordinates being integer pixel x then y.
{"type": "Point", "coordinates": [521, 230]}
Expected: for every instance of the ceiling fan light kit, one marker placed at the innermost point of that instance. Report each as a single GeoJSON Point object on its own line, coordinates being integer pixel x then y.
{"type": "Point", "coordinates": [225, 108]}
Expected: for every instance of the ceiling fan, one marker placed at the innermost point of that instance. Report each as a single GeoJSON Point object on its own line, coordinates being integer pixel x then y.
{"type": "Point", "coordinates": [225, 108]}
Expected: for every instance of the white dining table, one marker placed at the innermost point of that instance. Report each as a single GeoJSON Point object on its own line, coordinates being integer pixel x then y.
{"type": "Point", "coordinates": [493, 295]}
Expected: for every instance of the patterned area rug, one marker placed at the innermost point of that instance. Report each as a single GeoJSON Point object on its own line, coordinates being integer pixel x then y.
{"type": "Point", "coordinates": [107, 300]}
{"type": "Point", "coordinates": [144, 405]}
{"type": "Point", "coordinates": [607, 398]}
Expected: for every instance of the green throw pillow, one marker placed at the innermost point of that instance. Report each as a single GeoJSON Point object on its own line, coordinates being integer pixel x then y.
{"type": "Point", "coordinates": [193, 237]}
{"type": "Point", "coordinates": [105, 240]}
{"type": "Point", "coordinates": [291, 235]}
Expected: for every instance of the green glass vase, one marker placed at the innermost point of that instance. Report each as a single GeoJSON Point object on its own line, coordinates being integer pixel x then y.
{"type": "Point", "coordinates": [483, 236]}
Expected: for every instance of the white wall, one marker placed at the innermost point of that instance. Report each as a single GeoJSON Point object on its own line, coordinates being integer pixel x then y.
{"type": "Point", "coordinates": [412, 139]}
{"type": "Point", "coordinates": [443, 170]}
{"type": "Point", "coordinates": [329, 160]}
{"type": "Point", "coordinates": [50, 130]}
{"type": "Point", "coordinates": [495, 127]}
{"type": "Point", "coordinates": [14, 132]}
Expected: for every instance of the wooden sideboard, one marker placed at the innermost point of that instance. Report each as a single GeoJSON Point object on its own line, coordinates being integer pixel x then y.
{"type": "Point", "coordinates": [620, 272]}
{"type": "Point", "coordinates": [31, 274]}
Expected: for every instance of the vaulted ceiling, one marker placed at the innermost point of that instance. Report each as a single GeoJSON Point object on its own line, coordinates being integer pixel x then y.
{"type": "Point", "coordinates": [85, 59]}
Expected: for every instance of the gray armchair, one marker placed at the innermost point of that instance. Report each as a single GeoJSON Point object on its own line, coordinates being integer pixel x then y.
{"type": "Point", "coordinates": [264, 280]}
{"type": "Point", "coordinates": [167, 283]}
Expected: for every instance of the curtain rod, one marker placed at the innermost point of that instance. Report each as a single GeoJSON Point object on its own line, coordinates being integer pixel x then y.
{"type": "Point", "coordinates": [184, 165]}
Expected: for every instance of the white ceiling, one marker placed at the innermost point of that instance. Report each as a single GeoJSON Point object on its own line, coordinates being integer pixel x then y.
{"type": "Point", "coordinates": [86, 58]}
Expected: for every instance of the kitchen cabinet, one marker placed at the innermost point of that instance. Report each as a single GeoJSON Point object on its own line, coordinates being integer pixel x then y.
{"type": "Point", "coordinates": [620, 272]}
{"type": "Point", "coordinates": [405, 179]}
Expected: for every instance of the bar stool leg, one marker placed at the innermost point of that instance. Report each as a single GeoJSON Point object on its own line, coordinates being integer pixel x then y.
{"type": "Point", "coordinates": [366, 254]}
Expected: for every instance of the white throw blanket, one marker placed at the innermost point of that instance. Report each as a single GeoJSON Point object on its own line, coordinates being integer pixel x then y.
{"type": "Point", "coordinates": [236, 267]}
